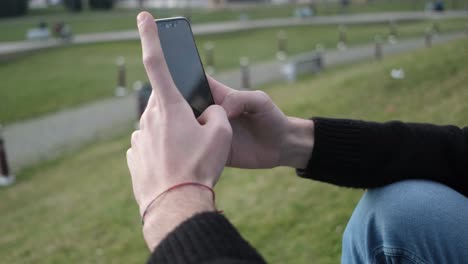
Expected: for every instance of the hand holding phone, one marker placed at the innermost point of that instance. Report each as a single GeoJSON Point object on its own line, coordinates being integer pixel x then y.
{"type": "Point", "coordinates": [173, 146]}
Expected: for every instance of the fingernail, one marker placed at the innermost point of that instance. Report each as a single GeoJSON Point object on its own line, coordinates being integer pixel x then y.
{"type": "Point", "coordinates": [141, 17]}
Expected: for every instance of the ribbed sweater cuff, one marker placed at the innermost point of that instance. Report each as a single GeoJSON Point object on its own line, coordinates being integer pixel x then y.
{"type": "Point", "coordinates": [204, 238]}
{"type": "Point", "coordinates": [337, 145]}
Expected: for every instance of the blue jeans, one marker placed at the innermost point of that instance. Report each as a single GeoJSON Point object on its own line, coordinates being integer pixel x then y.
{"type": "Point", "coordinates": [413, 221]}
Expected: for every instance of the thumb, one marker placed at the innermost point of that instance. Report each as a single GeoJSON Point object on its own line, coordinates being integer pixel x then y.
{"type": "Point", "coordinates": [213, 115]}
{"type": "Point", "coordinates": [214, 118]}
{"type": "Point", "coordinates": [252, 102]}
{"type": "Point", "coordinates": [218, 90]}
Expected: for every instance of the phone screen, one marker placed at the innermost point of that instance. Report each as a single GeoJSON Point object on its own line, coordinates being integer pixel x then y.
{"type": "Point", "coordinates": [184, 63]}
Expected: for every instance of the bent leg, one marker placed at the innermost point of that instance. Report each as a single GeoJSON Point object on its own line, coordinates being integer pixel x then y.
{"type": "Point", "coordinates": [414, 221]}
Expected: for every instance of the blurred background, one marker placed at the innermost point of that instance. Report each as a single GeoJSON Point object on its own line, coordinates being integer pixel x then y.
{"type": "Point", "coordinates": [72, 87]}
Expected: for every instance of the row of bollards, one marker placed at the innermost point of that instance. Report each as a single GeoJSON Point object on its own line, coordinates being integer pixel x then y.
{"type": "Point", "coordinates": [282, 46]}
{"type": "Point", "coordinates": [144, 91]}
{"type": "Point", "coordinates": [282, 50]}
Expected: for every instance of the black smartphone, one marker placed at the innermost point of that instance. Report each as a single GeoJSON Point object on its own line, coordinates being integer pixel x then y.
{"type": "Point", "coordinates": [183, 61]}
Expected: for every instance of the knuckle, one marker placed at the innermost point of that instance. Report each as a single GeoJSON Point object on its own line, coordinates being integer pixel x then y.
{"type": "Point", "coordinates": [129, 154]}
{"type": "Point", "coordinates": [135, 136]}
{"type": "Point", "coordinates": [149, 115]}
{"type": "Point", "coordinates": [262, 95]}
{"type": "Point", "coordinates": [217, 108]}
{"type": "Point", "coordinates": [144, 117]}
{"type": "Point", "coordinates": [141, 124]}
{"type": "Point", "coordinates": [229, 97]}
{"type": "Point", "coordinates": [150, 61]}
{"type": "Point", "coordinates": [224, 130]}
{"type": "Point", "coordinates": [264, 101]}
{"type": "Point", "coordinates": [142, 120]}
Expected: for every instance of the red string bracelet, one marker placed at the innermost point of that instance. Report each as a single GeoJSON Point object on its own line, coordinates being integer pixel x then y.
{"type": "Point", "coordinates": [175, 187]}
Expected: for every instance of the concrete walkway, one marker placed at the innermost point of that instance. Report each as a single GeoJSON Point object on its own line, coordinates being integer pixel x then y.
{"type": "Point", "coordinates": [8, 49]}
{"type": "Point", "coordinates": [44, 138]}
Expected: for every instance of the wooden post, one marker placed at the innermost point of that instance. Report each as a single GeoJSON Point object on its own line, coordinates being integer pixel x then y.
{"type": "Point", "coordinates": [282, 40]}
{"type": "Point", "coordinates": [393, 32]}
{"type": "Point", "coordinates": [392, 28]}
{"type": "Point", "coordinates": [6, 178]}
{"type": "Point", "coordinates": [143, 94]}
{"type": "Point", "coordinates": [121, 89]}
{"type": "Point", "coordinates": [436, 26]}
{"type": "Point", "coordinates": [141, 4]}
{"type": "Point", "coordinates": [245, 74]}
{"type": "Point", "coordinates": [378, 52]}
{"type": "Point", "coordinates": [342, 38]}
{"type": "Point", "coordinates": [319, 55]}
{"type": "Point", "coordinates": [428, 38]}
{"type": "Point", "coordinates": [4, 168]}
{"type": "Point", "coordinates": [209, 56]}
{"type": "Point", "coordinates": [137, 86]}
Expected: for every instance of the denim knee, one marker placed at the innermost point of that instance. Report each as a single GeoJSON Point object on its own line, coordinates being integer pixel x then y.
{"type": "Point", "coordinates": [414, 221]}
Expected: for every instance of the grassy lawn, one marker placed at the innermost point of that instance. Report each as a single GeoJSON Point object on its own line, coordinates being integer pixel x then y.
{"type": "Point", "coordinates": [65, 77]}
{"type": "Point", "coordinates": [124, 19]}
{"type": "Point", "coordinates": [80, 208]}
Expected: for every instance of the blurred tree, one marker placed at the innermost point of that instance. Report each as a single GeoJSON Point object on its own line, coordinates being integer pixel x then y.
{"type": "Point", "coordinates": [13, 7]}
{"type": "Point", "coordinates": [73, 5]}
{"type": "Point", "coordinates": [101, 4]}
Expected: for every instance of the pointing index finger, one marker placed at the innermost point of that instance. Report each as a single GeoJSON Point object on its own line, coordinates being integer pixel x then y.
{"type": "Point", "coordinates": [154, 61]}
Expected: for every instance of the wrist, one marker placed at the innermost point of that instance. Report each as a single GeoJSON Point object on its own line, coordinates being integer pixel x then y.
{"type": "Point", "coordinates": [172, 209]}
{"type": "Point", "coordinates": [298, 143]}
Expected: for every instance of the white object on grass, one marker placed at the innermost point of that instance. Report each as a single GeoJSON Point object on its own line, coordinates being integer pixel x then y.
{"type": "Point", "coordinates": [397, 74]}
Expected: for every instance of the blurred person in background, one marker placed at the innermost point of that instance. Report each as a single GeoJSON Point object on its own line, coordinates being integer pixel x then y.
{"type": "Point", "coordinates": [415, 210]}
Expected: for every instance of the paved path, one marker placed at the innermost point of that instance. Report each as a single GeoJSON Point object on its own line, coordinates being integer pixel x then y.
{"type": "Point", "coordinates": [8, 49]}
{"type": "Point", "coordinates": [32, 141]}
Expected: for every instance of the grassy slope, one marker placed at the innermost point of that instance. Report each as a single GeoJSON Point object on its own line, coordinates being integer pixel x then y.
{"type": "Point", "coordinates": [66, 77]}
{"type": "Point", "coordinates": [99, 21]}
{"type": "Point", "coordinates": [80, 208]}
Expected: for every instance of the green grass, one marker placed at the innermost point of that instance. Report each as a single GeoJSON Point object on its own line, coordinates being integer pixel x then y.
{"type": "Point", "coordinates": [80, 208]}
{"type": "Point", "coordinates": [118, 19]}
{"type": "Point", "coordinates": [56, 79]}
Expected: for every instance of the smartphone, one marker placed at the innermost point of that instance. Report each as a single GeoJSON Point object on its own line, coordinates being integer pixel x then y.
{"type": "Point", "coordinates": [183, 61]}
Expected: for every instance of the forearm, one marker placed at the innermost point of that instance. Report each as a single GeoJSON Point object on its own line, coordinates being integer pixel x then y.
{"type": "Point", "coordinates": [298, 143]}
{"type": "Point", "coordinates": [368, 154]}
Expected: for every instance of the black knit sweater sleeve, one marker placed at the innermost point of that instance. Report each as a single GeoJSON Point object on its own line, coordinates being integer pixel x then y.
{"type": "Point", "coordinates": [367, 154]}
{"type": "Point", "coordinates": [207, 238]}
